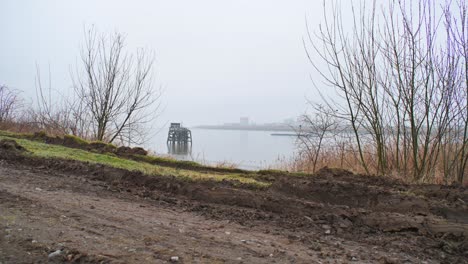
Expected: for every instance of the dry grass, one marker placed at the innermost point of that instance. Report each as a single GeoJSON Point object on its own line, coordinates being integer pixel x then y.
{"type": "Point", "coordinates": [28, 126]}
{"type": "Point", "coordinates": [348, 158]}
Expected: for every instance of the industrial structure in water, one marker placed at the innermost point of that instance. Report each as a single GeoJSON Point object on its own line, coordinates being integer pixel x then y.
{"type": "Point", "coordinates": [179, 135]}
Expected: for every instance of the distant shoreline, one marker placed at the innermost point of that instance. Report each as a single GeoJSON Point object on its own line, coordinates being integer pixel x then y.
{"type": "Point", "coordinates": [284, 128]}
{"type": "Point", "coordinates": [284, 135]}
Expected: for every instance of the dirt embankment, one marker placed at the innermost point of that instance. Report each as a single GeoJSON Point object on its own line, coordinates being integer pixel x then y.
{"type": "Point", "coordinates": [96, 213]}
{"type": "Point", "coordinates": [135, 153]}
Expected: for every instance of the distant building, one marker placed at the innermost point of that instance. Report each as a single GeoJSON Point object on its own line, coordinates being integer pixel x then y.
{"type": "Point", "coordinates": [244, 121]}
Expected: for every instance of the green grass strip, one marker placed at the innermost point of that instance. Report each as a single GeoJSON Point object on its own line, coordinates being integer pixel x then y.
{"type": "Point", "coordinates": [43, 150]}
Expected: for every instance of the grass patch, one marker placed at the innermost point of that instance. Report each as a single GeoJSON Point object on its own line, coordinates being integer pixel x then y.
{"type": "Point", "coordinates": [75, 140]}
{"type": "Point", "coordinates": [109, 149]}
{"type": "Point", "coordinates": [164, 160]}
{"type": "Point", "coordinates": [271, 172]}
{"type": "Point", "coordinates": [185, 164]}
{"type": "Point", "coordinates": [14, 135]}
{"type": "Point", "coordinates": [43, 150]}
{"type": "Point", "coordinates": [280, 172]}
{"type": "Point", "coordinates": [110, 145]}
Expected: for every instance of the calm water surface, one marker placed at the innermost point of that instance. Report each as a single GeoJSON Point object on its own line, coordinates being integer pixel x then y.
{"type": "Point", "coordinates": [245, 149]}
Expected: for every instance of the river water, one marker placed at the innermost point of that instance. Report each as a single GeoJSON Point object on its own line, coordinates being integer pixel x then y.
{"type": "Point", "coordinates": [244, 149]}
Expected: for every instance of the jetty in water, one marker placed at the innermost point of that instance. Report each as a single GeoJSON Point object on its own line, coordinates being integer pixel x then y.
{"type": "Point", "coordinates": [179, 135]}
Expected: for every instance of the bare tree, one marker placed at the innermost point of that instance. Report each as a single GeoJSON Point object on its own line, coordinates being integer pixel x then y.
{"type": "Point", "coordinates": [57, 113]}
{"type": "Point", "coordinates": [116, 87]}
{"type": "Point", "coordinates": [455, 149]}
{"type": "Point", "coordinates": [400, 86]}
{"type": "Point", "coordinates": [9, 104]}
{"type": "Point", "coordinates": [315, 131]}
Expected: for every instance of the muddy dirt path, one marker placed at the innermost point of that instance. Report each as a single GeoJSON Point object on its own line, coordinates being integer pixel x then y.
{"type": "Point", "coordinates": [85, 217]}
{"type": "Point", "coordinates": [43, 210]}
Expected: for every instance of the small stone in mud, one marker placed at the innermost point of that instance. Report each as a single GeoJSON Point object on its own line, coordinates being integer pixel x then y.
{"type": "Point", "coordinates": [175, 259]}
{"type": "Point", "coordinates": [55, 254]}
{"type": "Point", "coordinates": [345, 223]}
{"type": "Point", "coordinates": [327, 232]}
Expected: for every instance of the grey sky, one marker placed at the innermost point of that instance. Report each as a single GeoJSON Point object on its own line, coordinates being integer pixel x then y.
{"type": "Point", "coordinates": [217, 60]}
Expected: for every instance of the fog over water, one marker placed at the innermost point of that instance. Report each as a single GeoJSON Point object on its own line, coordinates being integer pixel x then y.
{"type": "Point", "coordinates": [244, 149]}
{"type": "Point", "coordinates": [216, 60]}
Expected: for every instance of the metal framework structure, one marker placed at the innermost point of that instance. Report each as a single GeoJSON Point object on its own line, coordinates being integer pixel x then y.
{"type": "Point", "coordinates": [178, 134]}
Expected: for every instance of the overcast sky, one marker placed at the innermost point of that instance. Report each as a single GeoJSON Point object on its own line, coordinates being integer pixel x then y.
{"type": "Point", "coordinates": [216, 60]}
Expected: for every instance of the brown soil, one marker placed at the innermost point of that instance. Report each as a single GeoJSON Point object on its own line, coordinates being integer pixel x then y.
{"type": "Point", "coordinates": [97, 214]}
